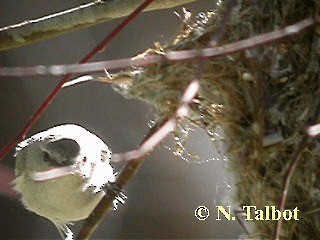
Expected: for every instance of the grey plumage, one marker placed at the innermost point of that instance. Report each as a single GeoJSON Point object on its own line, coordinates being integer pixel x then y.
{"type": "Point", "coordinates": [66, 197]}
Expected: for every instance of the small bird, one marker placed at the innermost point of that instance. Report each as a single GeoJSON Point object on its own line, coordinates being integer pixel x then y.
{"type": "Point", "coordinates": [61, 173]}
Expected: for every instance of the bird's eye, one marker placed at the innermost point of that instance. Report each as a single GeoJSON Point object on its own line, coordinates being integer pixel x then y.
{"type": "Point", "coordinates": [46, 156]}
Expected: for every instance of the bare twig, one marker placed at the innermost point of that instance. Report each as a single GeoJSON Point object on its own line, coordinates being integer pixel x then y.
{"type": "Point", "coordinates": [57, 89]}
{"type": "Point", "coordinates": [101, 210]}
{"type": "Point", "coordinates": [295, 160]}
{"type": "Point", "coordinates": [149, 144]}
{"type": "Point", "coordinates": [136, 157]}
{"type": "Point", "coordinates": [302, 145]}
{"type": "Point", "coordinates": [189, 93]}
{"type": "Point", "coordinates": [183, 55]}
{"type": "Point", "coordinates": [219, 33]}
{"type": "Point", "coordinates": [83, 16]}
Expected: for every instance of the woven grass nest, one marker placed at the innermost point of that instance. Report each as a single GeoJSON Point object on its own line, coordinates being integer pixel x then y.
{"type": "Point", "coordinates": [263, 98]}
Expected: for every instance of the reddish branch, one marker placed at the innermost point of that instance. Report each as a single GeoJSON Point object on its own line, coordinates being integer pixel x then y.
{"type": "Point", "coordinates": [293, 165]}
{"type": "Point", "coordinates": [156, 135]}
{"type": "Point", "coordinates": [210, 52]}
{"type": "Point", "coordinates": [57, 89]}
{"type": "Point", "coordinates": [136, 158]}
{"type": "Point", "coordinates": [302, 145]}
{"type": "Point", "coordinates": [186, 99]}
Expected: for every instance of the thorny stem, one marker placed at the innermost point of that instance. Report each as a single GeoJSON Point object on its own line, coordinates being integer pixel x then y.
{"type": "Point", "coordinates": [86, 15]}
{"type": "Point", "coordinates": [182, 55]}
{"type": "Point", "coordinates": [295, 160]}
{"type": "Point", "coordinates": [57, 89]}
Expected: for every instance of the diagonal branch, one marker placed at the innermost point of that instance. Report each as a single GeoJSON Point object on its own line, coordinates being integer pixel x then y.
{"type": "Point", "coordinates": [136, 157]}
{"type": "Point", "coordinates": [83, 16]}
{"type": "Point", "coordinates": [101, 210]}
{"type": "Point", "coordinates": [154, 137]}
{"type": "Point", "coordinates": [4, 151]}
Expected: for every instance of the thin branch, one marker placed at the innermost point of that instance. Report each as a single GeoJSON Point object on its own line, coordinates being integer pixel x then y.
{"type": "Point", "coordinates": [189, 94]}
{"type": "Point", "coordinates": [293, 165]}
{"type": "Point", "coordinates": [219, 33]}
{"type": "Point", "coordinates": [156, 135]}
{"type": "Point", "coordinates": [136, 157]}
{"type": "Point", "coordinates": [101, 210]}
{"type": "Point", "coordinates": [57, 89]}
{"type": "Point", "coordinates": [149, 144]}
{"type": "Point", "coordinates": [302, 145]}
{"type": "Point", "coordinates": [183, 55]}
{"type": "Point", "coordinates": [83, 16]}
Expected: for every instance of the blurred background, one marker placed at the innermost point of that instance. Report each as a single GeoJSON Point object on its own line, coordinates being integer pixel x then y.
{"type": "Point", "coordinates": [166, 191]}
